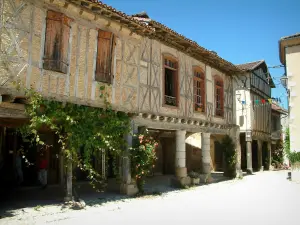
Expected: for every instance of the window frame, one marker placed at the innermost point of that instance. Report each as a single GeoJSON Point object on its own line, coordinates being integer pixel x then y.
{"type": "Point", "coordinates": [62, 62]}
{"type": "Point", "coordinates": [176, 73]}
{"type": "Point", "coordinates": [219, 112]}
{"type": "Point", "coordinates": [105, 79]}
{"type": "Point", "coordinates": [202, 95]}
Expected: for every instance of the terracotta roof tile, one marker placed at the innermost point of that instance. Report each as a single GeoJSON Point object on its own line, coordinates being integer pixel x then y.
{"type": "Point", "coordinates": [152, 26]}
{"type": "Point", "coordinates": [249, 66]}
{"type": "Point", "coordinates": [278, 108]}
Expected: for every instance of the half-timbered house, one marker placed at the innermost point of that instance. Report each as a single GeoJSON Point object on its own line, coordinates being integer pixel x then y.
{"type": "Point", "coordinates": [182, 92]}
{"type": "Point", "coordinates": [253, 100]}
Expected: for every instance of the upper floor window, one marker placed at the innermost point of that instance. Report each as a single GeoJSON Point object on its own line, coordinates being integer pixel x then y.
{"type": "Point", "coordinates": [57, 42]}
{"type": "Point", "coordinates": [199, 90]}
{"type": "Point", "coordinates": [219, 96]}
{"type": "Point", "coordinates": [170, 81]}
{"type": "Point", "coordinates": [105, 51]}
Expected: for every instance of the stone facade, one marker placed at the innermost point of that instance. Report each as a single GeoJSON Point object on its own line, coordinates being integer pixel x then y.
{"type": "Point", "coordinates": [137, 85]}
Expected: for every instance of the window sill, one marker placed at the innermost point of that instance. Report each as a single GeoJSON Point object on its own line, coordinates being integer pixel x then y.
{"type": "Point", "coordinates": [103, 82]}
{"type": "Point", "coordinates": [220, 117]}
{"type": "Point", "coordinates": [56, 71]}
{"type": "Point", "coordinates": [169, 106]}
{"type": "Point", "coordinates": [199, 112]}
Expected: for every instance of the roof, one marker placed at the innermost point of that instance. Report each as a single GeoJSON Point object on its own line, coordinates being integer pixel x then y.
{"type": "Point", "coordinates": [291, 36]}
{"type": "Point", "coordinates": [250, 66]}
{"type": "Point", "coordinates": [287, 41]}
{"type": "Point", "coordinates": [153, 29]}
{"type": "Point", "coordinates": [253, 65]}
{"type": "Point", "coordinates": [276, 107]}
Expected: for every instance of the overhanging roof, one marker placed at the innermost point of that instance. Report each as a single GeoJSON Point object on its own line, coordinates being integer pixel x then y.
{"type": "Point", "coordinates": [287, 41]}
{"type": "Point", "coordinates": [251, 66]}
{"type": "Point", "coordinates": [160, 32]}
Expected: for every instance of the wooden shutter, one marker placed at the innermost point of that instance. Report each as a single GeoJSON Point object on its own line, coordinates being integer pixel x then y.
{"type": "Point", "coordinates": [105, 51]}
{"type": "Point", "coordinates": [56, 42]}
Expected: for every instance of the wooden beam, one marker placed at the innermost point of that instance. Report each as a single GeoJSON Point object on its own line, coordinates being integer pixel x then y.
{"type": "Point", "coordinates": [12, 110]}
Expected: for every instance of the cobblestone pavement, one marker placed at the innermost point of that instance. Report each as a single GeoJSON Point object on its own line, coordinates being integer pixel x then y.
{"type": "Point", "coordinates": [263, 198]}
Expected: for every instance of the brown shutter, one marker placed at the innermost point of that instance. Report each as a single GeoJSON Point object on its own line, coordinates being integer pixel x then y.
{"type": "Point", "coordinates": [56, 42]}
{"type": "Point", "coordinates": [105, 50]}
{"type": "Point", "coordinates": [66, 27]}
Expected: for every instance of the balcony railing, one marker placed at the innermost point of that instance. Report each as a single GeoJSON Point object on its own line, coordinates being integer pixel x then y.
{"type": "Point", "coordinates": [170, 100]}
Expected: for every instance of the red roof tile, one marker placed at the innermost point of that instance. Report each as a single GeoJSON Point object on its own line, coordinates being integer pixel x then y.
{"type": "Point", "coordinates": [212, 57]}
{"type": "Point", "coordinates": [249, 66]}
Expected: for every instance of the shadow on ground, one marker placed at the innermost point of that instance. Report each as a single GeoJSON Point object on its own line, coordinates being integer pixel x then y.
{"type": "Point", "coordinates": [14, 199]}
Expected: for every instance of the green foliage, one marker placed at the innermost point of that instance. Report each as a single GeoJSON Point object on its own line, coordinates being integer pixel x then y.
{"type": "Point", "coordinates": [278, 154]}
{"type": "Point", "coordinates": [194, 174]}
{"type": "Point", "coordinates": [77, 126]}
{"type": "Point", "coordinates": [230, 156]}
{"type": "Point", "coordinates": [293, 156]}
{"type": "Point", "coordinates": [143, 157]}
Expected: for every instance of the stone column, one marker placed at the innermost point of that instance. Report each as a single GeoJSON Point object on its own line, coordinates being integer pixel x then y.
{"type": "Point", "coordinates": [127, 186]}
{"type": "Point", "coordinates": [249, 157]}
{"type": "Point", "coordinates": [235, 135]}
{"type": "Point", "coordinates": [206, 158]}
{"type": "Point", "coordinates": [259, 155]}
{"type": "Point", "coordinates": [69, 193]}
{"type": "Point", "coordinates": [269, 155]}
{"type": "Point", "coordinates": [180, 156]}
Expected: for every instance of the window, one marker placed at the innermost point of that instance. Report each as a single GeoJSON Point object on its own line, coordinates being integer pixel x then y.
{"type": "Point", "coordinates": [219, 97]}
{"type": "Point", "coordinates": [105, 51]}
{"type": "Point", "coordinates": [199, 90]}
{"type": "Point", "coordinates": [275, 125]}
{"type": "Point", "coordinates": [57, 42]}
{"type": "Point", "coordinates": [171, 81]}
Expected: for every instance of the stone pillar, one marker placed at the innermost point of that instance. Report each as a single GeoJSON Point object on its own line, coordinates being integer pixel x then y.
{"type": "Point", "coordinates": [269, 155]}
{"type": "Point", "coordinates": [235, 135]}
{"type": "Point", "coordinates": [259, 155]}
{"type": "Point", "coordinates": [128, 187]}
{"type": "Point", "coordinates": [69, 193]}
{"type": "Point", "coordinates": [181, 178]}
{"type": "Point", "coordinates": [180, 156]}
{"type": "Point", "coordinates": [249, 157]}
{"type": "Point", "coordinates": [206, 158]}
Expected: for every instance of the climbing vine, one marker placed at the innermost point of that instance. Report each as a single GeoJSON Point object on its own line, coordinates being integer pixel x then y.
{"type": "Point", "coordinates": [78, 127]}
{"type": "Point", "coordinates": [143, 157]}
{"type": "Point", "coordinates": [229, 155]}
{"type": "Point", "coordinates": [293, 156]}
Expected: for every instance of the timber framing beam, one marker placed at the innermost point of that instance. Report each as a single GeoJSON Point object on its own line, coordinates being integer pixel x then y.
{"type": "Point", "coordinates": [12, 110]}
{"type": "Point", "coordinates": [160, 122]}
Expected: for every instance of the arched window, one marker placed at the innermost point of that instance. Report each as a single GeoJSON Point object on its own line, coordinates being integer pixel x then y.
{"type": "Point", "coordinates": [170, 81]}
{"type": "Point", "coordinates": [219, 96]}
{"type": "Point", "coordinates": [199, 90]}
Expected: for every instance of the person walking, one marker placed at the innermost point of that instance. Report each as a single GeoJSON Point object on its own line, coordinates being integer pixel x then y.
{"type": "Point", "coordinates": [43, 165]}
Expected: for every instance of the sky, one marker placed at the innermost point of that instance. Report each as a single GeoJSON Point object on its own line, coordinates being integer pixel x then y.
{"type": "Point", "coordinates": [239, 31]}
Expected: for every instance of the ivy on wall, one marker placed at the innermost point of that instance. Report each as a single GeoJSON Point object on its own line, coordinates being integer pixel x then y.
{"type": "Point", "coordinates": [78, 127]}
{"type": "Point", "coordinates": [91, 130]}
{"type": "Point", "coordinates": [293, 156]}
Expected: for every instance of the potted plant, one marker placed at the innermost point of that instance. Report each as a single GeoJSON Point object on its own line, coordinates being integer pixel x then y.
{"type": "Point", "coordinates": [195, 178]}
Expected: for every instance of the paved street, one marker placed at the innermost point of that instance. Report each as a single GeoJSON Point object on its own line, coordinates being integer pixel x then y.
{"type": "Point", "coordinates": [264, 198]}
